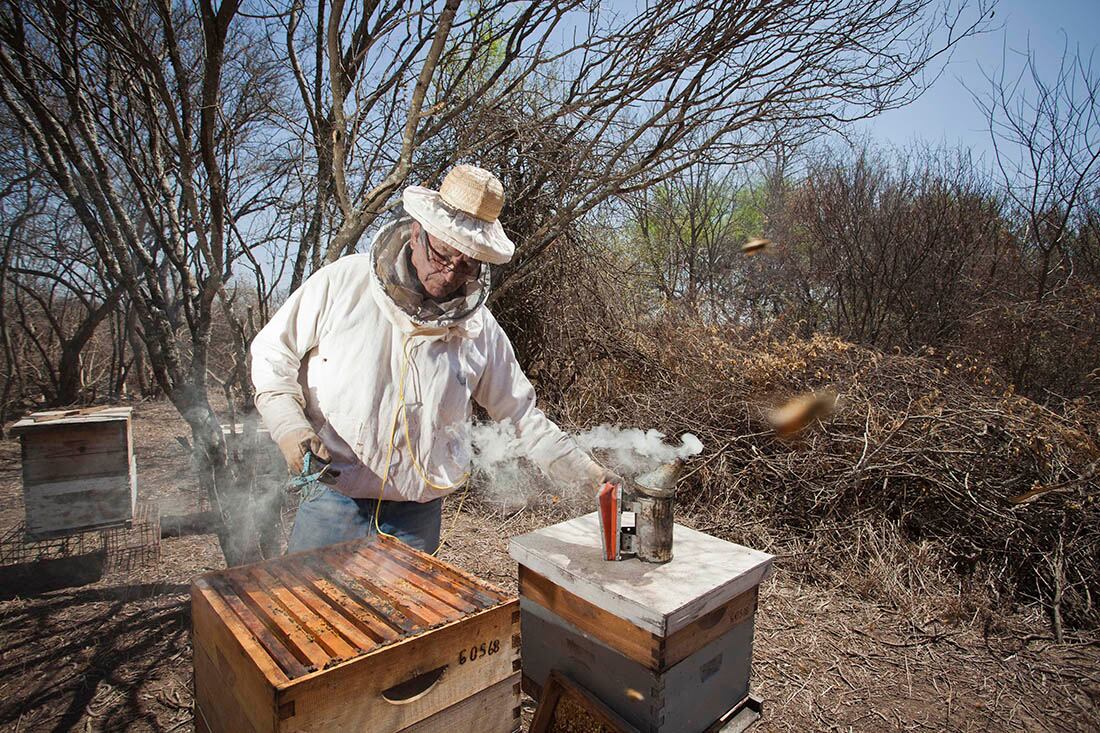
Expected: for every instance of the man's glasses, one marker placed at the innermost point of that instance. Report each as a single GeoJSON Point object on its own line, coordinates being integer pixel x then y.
{"type": "Point", "coordinates": [462, 265]}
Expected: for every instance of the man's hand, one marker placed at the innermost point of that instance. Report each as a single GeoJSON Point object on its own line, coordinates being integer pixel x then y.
{"type": "Point", "coordinates": [601, 475]}
{"type": "Point", "coordinates": [294, 445]}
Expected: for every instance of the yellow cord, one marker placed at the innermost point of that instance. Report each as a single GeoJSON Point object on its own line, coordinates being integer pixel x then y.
{"type": "Point", "coordinates": [401, 409]}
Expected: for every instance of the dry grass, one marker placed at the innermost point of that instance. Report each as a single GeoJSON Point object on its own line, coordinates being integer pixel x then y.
{"type": "Point", "coordinates": [932, 446]}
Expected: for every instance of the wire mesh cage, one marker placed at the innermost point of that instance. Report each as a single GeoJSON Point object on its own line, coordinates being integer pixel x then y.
{"type": "Point", "coordinates": [138, 545]}
{"type": "Point", "coordinates": [124, 548]}
{"type": "Point", "coordinates": [17, 549]}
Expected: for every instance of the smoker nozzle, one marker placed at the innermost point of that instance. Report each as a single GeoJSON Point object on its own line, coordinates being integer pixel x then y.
{"type": "Point", "coordinates": [660, 483]}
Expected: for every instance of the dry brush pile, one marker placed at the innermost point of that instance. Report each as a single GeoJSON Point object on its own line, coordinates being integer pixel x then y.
{"type": "Point", "coordinates": [994, 487]}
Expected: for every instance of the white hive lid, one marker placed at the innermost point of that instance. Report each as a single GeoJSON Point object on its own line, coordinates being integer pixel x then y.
{"type": "Point", "coordinates": [704, 573]}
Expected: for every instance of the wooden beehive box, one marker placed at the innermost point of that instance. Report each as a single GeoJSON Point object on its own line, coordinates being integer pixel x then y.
{"type": "Point", "coordinates": [78, 470]}
{"type": "Point", "coordinates": [257, 447]}
{"type": "Point", "coordinates": [369, 635]}
{"type": "Point", "coordinates": [668, 647]}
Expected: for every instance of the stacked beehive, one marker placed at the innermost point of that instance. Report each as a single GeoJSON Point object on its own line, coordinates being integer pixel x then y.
{"type": "Point", "coordinates": [366, 635]}
{"type": "Point", "coordinates": [668, 647]}
{"type": "Point", "coordinates": [78, 470]}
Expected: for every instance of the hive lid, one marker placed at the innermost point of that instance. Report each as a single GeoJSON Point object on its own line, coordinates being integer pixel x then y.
{"type": "Point", "coordinates": [54, 418]}
{"type": "Point", "coordinates": [312, 610]}
{"type": "Point", "coordinates": [704, 573]}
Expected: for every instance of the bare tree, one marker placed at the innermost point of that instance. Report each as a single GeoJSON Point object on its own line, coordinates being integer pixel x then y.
{"type": "Point", "coordinates": [123, 106]}
{"type": "Point", "coordinates": [61, 297]}
{"type": "Point", "coordinates": [687, 233]}
{"type": "Point", "coordinates": [576, 103]}
{"type": "Point", "coordinates": [1046, 137]}
{"type": "Point", "coordinates": [896, 252]}
{"type": "Point", "coordinates": [1086, 244]}
{"type": "Point", "coordinates": [194, 149]}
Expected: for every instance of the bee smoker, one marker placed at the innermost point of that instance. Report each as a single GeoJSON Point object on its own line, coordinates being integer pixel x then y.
{"type": "Point", "coordinates": [650, 497]}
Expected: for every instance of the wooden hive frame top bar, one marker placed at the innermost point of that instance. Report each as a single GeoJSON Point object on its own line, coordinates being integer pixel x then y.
{"type": "Point", "coordinates": [313, 610]}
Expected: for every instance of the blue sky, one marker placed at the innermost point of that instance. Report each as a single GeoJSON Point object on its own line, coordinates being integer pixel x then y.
{"type": "Point", "coordinates": [947, 115]}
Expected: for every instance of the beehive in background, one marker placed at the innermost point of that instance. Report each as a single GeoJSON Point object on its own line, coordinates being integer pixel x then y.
{"type": "Point", "coordinates": [256, 447]}
{"type": "Point", "coordinates": [78, 470]}
{"type": "Point", "coordinates": [667, 647]}
{"type": "Point", "coordinates": [369, 635]}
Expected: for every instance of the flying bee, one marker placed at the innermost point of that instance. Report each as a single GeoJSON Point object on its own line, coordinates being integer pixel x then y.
{"type": "Point", "coordinates": [753, 246]}
{"type": "Point", "coordinates": [802, 410]}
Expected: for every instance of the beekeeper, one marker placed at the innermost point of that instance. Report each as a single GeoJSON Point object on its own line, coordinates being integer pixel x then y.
{"type": "Point", "coordinates": [374, 362]}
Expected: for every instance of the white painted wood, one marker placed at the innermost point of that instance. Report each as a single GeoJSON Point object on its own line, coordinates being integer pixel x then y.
{"type": "Point", "coordinates": [704, 573]}
{"type": "Point", "coordinates": [133, 485]}
{"type": "Point", "coordinates": [238, 429]}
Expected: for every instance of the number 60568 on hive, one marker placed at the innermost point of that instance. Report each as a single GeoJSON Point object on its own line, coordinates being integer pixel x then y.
{"type": "Point", "coordinates": [477, 651]}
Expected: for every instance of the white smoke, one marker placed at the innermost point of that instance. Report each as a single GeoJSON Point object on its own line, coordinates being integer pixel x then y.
{"type": "Point", "coordinates": [505, 474]}
{"type": "Point", "coordinates": [632, 452]}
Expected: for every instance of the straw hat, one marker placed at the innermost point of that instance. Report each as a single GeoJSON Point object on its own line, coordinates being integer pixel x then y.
{"type": "Point", "coordinates": [463, 213]}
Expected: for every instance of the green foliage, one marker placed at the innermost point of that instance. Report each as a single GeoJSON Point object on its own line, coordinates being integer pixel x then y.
{"type": "Point", "coordinates": [748, 217]}
{"type": "Point", "coordinates": [684, 237]}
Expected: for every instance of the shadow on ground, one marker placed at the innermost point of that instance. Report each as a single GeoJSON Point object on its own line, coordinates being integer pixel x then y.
{"type": "Point", "coordinates": [30, 579]}
{"type": "Point", "coordinates": [96, 657]}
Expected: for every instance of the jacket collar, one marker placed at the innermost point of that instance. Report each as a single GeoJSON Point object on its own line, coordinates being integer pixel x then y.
{"type": "Point", "coordinates": [397, 290]}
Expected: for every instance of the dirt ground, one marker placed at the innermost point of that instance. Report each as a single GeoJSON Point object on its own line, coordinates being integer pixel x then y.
{"type": "Point", "coordinates": [115, 654]}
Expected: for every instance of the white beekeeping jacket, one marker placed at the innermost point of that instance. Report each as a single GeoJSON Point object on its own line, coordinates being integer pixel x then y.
{"type": "Point", "coordinates": [331, 358]}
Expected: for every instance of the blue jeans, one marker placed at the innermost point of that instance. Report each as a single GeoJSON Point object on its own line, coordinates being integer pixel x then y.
{"type": "Point", "coordinates": [328, 517]}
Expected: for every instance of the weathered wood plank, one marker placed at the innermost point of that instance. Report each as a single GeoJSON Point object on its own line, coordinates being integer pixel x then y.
{"type": "Point", "coordinates": [353, 607]}
{"type": "Point", "coordinates": [391, 604]}
{"type": "Point", "coordinates": [200, 721]}
{"type": "Point", "coordinates": [49, 419]}
{"type": "Point", "coordinates": [115, 488]}
{"type": "Point", "coordinates": [429, 585]}
{"type": "Point", "coordinates": [75, 451]}
{"type": "Point", "coordinates": [298, 640]}
{"type": "Point", "coordinates": [707, 629]}
{"type": "Point", "coordinates": [216, 696]}
{"type": "Point", "coordinates": [380, 603]}
{"type": "Point", "coordinates": [424, 605]}
{"type": "Point", "coordinates": [76, 505]}
{"type": "Point", "coordinates": [456, 575]}
{"type": "Point", "coordinates": [317, 628]}
{"type": "Point", "coordinates": [323, 607]}
{"type": "Point", "coordinates": [472, 596]}
{"type": "Point", "coordinates": [244, 623]}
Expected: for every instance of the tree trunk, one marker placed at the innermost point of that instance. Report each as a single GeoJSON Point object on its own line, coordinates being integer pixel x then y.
{"type": "Point", "coordinates": [70, 376]}
{"type": "Point", "coordinates": [249, 514]}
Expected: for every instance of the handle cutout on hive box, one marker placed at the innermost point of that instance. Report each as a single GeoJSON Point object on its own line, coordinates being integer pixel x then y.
{"type": "Point", "coordinates": [414, 688]}
{"type": "Point", "coordinates": [711, 619]}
